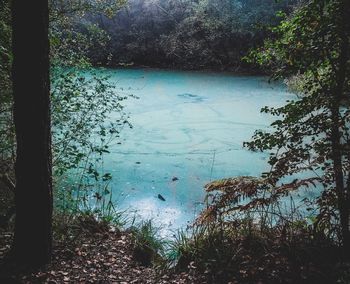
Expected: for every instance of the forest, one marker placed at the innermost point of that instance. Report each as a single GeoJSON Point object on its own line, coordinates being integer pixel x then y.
{"type": "Point", "coordinates": [184, 34]}
{"type": "Point", "coordinates": [175, 141]}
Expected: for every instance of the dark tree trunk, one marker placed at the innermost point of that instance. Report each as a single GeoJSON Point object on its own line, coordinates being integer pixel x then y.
{"type": "Point", "coordinates": [33, 194]}
{"type": "Point", "coordinates": [340, 78]}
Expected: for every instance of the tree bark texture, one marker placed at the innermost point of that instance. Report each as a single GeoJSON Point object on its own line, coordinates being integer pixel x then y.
{"type": "Point", "coordinates": [338, 94]}
{"type": "Point", "coordinates": [33, 194]}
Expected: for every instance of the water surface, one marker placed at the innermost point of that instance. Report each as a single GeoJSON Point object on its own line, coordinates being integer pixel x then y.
{"type": "Point", "coordinates": [188, 129]}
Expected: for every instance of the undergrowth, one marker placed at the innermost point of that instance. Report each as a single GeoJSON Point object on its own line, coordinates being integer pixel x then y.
{"type": "Point", "coordinates": [247, 253]}
{"type": "Point", "coordinates": [242, 238]}
{"type": "Point", "coordinates": [148, 246]}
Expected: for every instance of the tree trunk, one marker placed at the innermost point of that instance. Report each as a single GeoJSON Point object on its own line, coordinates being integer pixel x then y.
{"type": "Point", "coordinates": [343, 193]}
{"type": "Point", "coordinates": [33, 194]}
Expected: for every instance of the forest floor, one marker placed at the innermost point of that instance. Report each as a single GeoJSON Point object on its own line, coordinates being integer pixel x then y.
{"type": "Point", "coordinates": [108, 256]}
{"type": "Point", "coordinates": [89, 251]}
{"type": "Point", "coordinates": [105, 257]}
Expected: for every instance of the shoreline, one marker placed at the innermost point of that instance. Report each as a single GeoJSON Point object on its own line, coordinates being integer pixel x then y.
{"type": "Point", "coordinates": [227, 70]}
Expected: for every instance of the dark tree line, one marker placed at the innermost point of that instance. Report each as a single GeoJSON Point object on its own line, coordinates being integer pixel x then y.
{"type": "Point", "coordinates": [184, 34]}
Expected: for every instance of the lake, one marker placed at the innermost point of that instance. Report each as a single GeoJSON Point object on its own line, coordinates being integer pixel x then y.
{"type": "Point", "coordinates": [188, 129]}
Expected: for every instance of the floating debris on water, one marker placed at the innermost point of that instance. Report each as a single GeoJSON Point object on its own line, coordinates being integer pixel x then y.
{"type": "Point", "coordinates": [194, 98]}
{"type": "Point", "coordinates": [161, 197]}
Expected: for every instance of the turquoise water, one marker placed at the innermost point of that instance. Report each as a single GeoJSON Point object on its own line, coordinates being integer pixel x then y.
{"type": "Point", "coordinates": [188, 129]}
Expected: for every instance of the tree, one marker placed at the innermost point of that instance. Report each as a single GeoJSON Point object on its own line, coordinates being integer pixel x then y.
{"type": "Point", "coordinates": [186, 34]}
{"type": "Point", "coordinates": [6, 122]}
{"type": "Point", "coordinates": [312, 133]}
{"type": "Point", "coordinates": [33, 195]}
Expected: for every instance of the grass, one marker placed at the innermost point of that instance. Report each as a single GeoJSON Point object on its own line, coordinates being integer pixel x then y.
{"type": "Point", "coordinates": [148, 246]}
{"type": "Point", "coordinates": [245, 252]}
{"type": "Point", "coordinates": [237, 250]}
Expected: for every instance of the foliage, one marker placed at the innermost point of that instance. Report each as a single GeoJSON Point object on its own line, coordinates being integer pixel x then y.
{"type": "Point", "coordinates": [148, 247]}
{"type": "Point", "coordinates": [219, 33]}
{"type": "Point", "coordinates": [78, 8]}
{"type": "Point", "coordinates": [7, 136]}
{"type": "Point", "coordinates": [229, 199]}
{"type": "Point", "coordinates": [76, 41]}
{"type": "Point", "coordinates": [5, 48]}
{"type": "Point", "coordinates": [247, 251]}
{"type": "Point", "coordinates": [6, 123]}
{"type": "Point", "coordinates": [82, 132]}
{"type": "Point", "coordinates": [69, 228]}
{"type": "Point", "coordinates": [308, 144]}
{"type": "Point", "coordinates": [187, 34]}
{"type": "Point", "coordinates": [296, 83]}
{"type": "Point", "coordinates": [311, 134]}
{"type": "Point", "coordinates": [80, 105]}
{"type": "Point", "coordinates": [81, 102]}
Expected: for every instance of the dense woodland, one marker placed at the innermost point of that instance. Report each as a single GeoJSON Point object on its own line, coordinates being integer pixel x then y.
{"type": "Point", "coordinates": [242, 236]}
{"type": "Point", "coordinates": [184, 34]}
